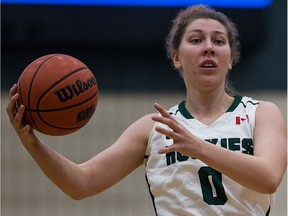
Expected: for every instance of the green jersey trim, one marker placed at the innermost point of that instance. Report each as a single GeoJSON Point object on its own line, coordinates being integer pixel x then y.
{"type": "Point", "coordinates": [187, 115]}
{"type": "Point", "coordinates": [236, 102]}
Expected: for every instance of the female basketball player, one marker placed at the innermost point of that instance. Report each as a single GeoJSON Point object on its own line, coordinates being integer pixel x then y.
{"type": "Point", "coordinates": [213, 154]}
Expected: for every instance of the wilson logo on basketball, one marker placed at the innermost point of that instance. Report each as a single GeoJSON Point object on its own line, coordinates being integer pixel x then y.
{"type": "Point", "coordinates": [68, 92]}
{"type": "Point", "coordinates": [86, 114]}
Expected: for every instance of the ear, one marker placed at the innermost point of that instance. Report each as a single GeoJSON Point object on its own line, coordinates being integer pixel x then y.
{"type": "Point", "coordinates": [176, 60]}
{"type": "Point", "coordinates": [230, 64]}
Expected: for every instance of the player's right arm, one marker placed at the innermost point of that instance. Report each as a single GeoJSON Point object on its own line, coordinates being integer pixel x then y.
{"type": "Point", "coordinates": [95, 175]}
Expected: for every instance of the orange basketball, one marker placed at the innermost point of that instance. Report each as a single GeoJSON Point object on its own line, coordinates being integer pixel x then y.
{"type": "Point", "coordinates": [59, 92]}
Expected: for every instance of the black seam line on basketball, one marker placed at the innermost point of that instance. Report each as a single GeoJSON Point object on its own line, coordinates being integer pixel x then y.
{"type": "Point", "coordinates": [68, 107]}
{"type": "Point", "coordinates": [19, 89]}
{"type": "Point", "coordinates": [44, 93]}
{"type": "Point", "coordinates": [70, 128]}
{"type": "Point", "coordinates": [38, 104]}
{"type": "Point", "coordinates": [30, 87]}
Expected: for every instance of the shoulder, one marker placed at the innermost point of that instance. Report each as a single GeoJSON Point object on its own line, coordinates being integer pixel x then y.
{"type": "Point", "coordinates": [146, 120]}
{"type": "Point", "coordinates": [141, 128]}
{"type": "Point", "coordinates": [269, 118]}
{"type": "Point", "coordinates": [266, 109]}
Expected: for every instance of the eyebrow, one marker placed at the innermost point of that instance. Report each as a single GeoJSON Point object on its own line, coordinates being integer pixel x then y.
{"type": "Point", "coordinates": [200, 31]}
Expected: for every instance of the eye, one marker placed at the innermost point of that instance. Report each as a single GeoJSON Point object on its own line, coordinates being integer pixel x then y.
{"type": "Point", "coordinates": [219, 42]}
{"type": "Point", "coordinates": [195, 40]}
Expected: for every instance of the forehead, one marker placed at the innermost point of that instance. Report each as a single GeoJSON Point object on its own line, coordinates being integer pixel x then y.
{"type": "Point", "coordinates": [206, 25]}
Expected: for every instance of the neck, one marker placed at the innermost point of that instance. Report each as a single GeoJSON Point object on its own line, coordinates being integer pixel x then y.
{"type": "Point", "coordinates": [205, 104]}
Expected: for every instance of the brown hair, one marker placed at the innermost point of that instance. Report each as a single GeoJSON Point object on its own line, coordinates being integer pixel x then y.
{"type": "Point", "coordinates": [186, 16]}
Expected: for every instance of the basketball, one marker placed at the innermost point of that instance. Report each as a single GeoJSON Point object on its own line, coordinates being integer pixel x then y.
{"type": "Point", "coordinates": [60, 94]}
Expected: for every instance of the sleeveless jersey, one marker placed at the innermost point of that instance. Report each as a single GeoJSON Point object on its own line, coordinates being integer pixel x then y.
{"type": "Point", "coordinates": [181, 185]}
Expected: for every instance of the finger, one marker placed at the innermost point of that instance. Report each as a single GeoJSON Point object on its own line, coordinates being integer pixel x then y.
{"type": "Point", "coordinates": [169, 133]}
{"type": "Point", "coordinates": [18, 120]}
{"type": "Point", "coordinates": [161, 110]}
{"type": "Point", "coordinates": [168, 149]}
{"type": "Point", "coordinates": [171, 123]}
{"type": "Point", "coordinates": [26, 129]}
{"type": "Point", "coordinates": [13, 90]}
{"type": "Point", "coordinates": [164, 112]}
{"type": "Point", "coordinates": [11, 107]}
{"type": "Point", "coordinates": [163, 151]}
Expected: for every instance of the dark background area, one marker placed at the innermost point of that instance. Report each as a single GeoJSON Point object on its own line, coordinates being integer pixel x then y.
{"type": "Point", "coordinates": [124, 46]}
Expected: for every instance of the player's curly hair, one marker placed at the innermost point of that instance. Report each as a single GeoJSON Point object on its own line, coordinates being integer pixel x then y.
{"type": "Point", "coordinates": [186, 16]}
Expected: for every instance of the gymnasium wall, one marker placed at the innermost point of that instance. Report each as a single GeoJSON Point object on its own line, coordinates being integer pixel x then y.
{"type": "Point", "coordinates": [124, 47]}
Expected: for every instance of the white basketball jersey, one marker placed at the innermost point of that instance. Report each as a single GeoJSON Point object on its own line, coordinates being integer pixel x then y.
{"type": "Point", "coordinates": [181, 185]}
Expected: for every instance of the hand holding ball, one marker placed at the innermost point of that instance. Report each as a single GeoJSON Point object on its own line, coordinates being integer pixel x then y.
{"type": "Point", "coordinates": [60, 94]}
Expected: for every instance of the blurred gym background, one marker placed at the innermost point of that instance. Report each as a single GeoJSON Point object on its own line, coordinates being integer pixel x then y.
{"type": "Point", "coordinates": [124, 47]}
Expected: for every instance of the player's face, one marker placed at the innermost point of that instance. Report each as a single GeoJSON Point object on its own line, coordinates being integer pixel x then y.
{"type": "Point", "coordinates": [204, 55]}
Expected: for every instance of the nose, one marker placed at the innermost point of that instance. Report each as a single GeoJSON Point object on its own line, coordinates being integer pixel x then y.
{"type": "Point", "coordinates": [208, 48]}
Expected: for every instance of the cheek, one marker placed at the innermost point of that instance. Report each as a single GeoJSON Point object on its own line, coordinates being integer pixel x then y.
{"type": "Point", "coordinates": [188, 56]}
{"type": "Point", "coordinates": [226, 59]}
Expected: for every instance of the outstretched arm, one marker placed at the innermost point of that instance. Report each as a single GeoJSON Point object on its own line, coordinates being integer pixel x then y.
{"type": "Point", "coordinates": [93, 176]}
{"type": "Point", "coordinates": [261, 172]}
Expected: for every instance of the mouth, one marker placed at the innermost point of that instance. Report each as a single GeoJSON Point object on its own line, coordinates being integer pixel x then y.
{"type": "Point", "coordinates": [208, 64]}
